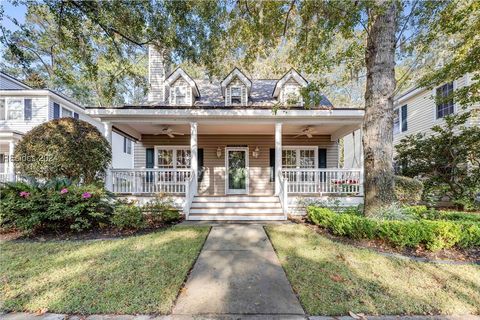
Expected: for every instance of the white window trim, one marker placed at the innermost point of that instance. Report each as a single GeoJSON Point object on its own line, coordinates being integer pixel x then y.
{"type": "Point", "coordinates": [296, 90]}
{"type": "Point", "coordinates": [65, 108]}
{"type": "Point", "coordinates": [130, 142]}
{"type": "Point", "coordinates": [298, 148]}
{"type": "Point", "coordinates": [399, 108]}
{"type": "Point", "coordinates": [4, 108]}
{"type": "Point", "coordinates": [174, 159]}
{"type": "Point", "coordinates": [434, 94]}
{"type": "Point", "coordinates": [241, 96]}
{"type": "Point", "coordinates": [247, 168]}
{"type": "Point", "coordinates": [23, 110]}
{"type": "Point", "coordinates": [176, 96]}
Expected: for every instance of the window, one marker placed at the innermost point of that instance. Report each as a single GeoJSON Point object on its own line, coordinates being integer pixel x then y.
{"type": "Point", "coordinates": [291, 94]}
{"type": "Point", "coordinates": [299, 157]}
{"type": "Point", "coordinates": [27, 109]}
{"type": "Point", "coordinates": [66, 113]}
{"type": "Point", "coordinates": [56, 110]}
{"type": "Point", "coordinates": [180, 94]}
{"type": "Point", "coordinates": [2, 109]}
{"type": "Point", "coordinates": [15, 109]}
{"type": "Point", "coordinates": [127, 145]}
{"type": "Point", "coordinates": [400, 120]}
{"type": "Point", "coordinates": [445, 103]}
{"type": "Point", "coordinates": [236, 95]}
{"type": "Point", "coordinates": [173, 157]}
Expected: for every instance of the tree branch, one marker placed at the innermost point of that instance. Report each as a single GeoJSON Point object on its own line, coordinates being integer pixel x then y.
{"type": "Point", "coordinates": [285, 25]}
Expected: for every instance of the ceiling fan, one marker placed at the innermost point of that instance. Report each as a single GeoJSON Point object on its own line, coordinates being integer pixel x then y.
{"type": "Point", "coordinates": [307, 131]}
{"type": "Point", "coordinates": [169, 132]}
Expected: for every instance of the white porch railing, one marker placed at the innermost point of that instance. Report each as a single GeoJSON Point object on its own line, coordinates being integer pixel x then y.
{"type": "Point", "coordinates": [172, 181]}
{"type": "Point", "coordinates": [190, 192]}
{"type": "Point", "coordinates": [283, 194]}
{"type": "Point", "coordinates": [324, 181]}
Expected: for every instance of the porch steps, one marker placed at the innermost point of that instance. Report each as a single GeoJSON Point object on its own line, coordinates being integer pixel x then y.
{"type": "Point", "coordinates": [236, 208]}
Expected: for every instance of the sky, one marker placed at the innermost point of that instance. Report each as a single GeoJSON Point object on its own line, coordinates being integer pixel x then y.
{"type": "Point", "coordinates": [12, 12]}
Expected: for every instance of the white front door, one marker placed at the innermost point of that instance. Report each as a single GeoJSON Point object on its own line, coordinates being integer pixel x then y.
{"type": "Point", "coordinates": [236, 165]}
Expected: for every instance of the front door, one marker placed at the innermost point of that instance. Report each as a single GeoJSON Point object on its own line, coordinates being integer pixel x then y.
{"type": "Point", "coordinates": [237, 170]}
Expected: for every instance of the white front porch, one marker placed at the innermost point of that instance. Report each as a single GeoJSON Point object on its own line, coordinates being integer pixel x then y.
{"type": "Point", "coordinates": [8, 141]}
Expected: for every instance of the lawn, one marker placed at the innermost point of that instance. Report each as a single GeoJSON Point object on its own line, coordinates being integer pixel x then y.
{"type": "Point", "coordinates": [140, 274]}
{"type": "Point", "coordinates": [332, 278]}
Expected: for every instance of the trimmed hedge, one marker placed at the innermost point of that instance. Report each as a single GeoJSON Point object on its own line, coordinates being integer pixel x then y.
{"type": "Point", "coordinates": [422, 212]}
{"type": "Point", "coordinates": [434, 235]}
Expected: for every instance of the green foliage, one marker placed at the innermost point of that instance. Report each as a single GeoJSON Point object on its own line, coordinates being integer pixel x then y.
{"type": "Point", "coordinates": [448, 161]}
{"type": "Point", "coordinates": [434, 235]}
{"type": "Point", "coordinates": [46, 207]}
{"type": "Point", "coordinates": [408, 190]}
{"type": "Point", "coordinates": [161, 209]}
{"type": "Point", "coordinates": [63, 147]}
{"type": "Point", "coordinates": [128, 215]}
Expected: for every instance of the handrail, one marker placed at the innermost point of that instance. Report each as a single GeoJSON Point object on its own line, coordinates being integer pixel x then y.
{"type": "Point", "coordinates": [283, 193]}
{"type": "Point", "coordinates": [148, 170]}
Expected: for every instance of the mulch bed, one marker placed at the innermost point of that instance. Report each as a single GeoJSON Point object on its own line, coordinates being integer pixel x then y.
{"type": "Point", "coordinates": [93, 234]}
{"type": "Point", "coordinates": [471, 255]}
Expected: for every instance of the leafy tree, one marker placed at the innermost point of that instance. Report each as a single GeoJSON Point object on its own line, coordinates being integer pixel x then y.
{"type": "Point", "coordinates": [63, 147]}
{"type": "Point", "coordinates": [448, 160]}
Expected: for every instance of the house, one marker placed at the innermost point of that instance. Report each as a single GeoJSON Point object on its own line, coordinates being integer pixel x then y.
{"type": "Point", "coordinates": [22, 108]}
{"type": "Point", "coordinates": [221, 151]}
{"type": "Point", "coordinates": [417, 110]}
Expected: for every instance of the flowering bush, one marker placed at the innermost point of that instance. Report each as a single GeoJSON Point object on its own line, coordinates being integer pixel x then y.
{"type": "Point", "coordinates": [53, 206]}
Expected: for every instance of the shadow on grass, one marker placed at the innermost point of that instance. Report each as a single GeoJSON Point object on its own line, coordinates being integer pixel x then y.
{"type": "Point", "coordinates": [333, 279]}
{"type": "Point", "coordinates": [141, 274]}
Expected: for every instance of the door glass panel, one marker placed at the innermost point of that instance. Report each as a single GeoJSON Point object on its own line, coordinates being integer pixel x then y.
{"type": "Point", "coordinates": [307, 159]}
{"type": "Point", "coordinates": [183, 159]}
{"type": "Point", "coordinates": [165, 159]}
{"type": "Point", "coordinates": [289, 158]}
{"type": "Point", "coordinates": [237, 172]}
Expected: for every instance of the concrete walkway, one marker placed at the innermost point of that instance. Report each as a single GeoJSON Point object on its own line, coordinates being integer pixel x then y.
{"type": "Point", "coordinates": [238, 273]}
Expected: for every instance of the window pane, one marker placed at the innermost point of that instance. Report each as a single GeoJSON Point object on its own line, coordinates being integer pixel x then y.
{"type": "Point", "coordinates": [67, 113]}
{"type": "Point", "coordinates": [307, 159]}
{"type": "Point", "coordinates": [289, 158]}
{"type": "Point", "coordinates": [15, 109]}
{"type": "Point", "coordinates": [445, 103]}
{"type": "Point", "coordinates": [181, 94]}
{"type": "Point", "coordinates": [165, 158]}
{"type": "Point", "coordinates": [236, 94]}
{"type": "Point", "coordinates": [291, 94]}
{"type": "Point", "coordinates": [183, 159]}
{"type": "Point", "coordinates": [396, 121]}
{"type": "Point", "coordinates": [2, 109]}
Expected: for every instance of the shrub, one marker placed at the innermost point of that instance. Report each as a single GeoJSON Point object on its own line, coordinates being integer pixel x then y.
{"type": "Point", "coordinates": [408, 190]}
{"type": "Point", "coordinates": [128, 216]}
{"type": "Point", "coordinates": [391, 212]}
{"type": "Point", "coordinates": [161, 209]}
{"type": "Point", "coordinates": [434, 235]}
{"type": "Point", "coordinates": [63, 147]}
{"type": "Point", "coordinates": [53, 206]}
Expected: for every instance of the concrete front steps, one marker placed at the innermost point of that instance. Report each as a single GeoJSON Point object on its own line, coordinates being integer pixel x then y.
{"type": "Point", "coordinates": [215, 208]}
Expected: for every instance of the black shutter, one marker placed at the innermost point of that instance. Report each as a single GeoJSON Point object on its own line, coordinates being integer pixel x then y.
{"type": "Point", "coordinates": [322, 158]}
{"type": "Point", "coordinates": [27, 109]}
{"type": "Point", "coordinates": [76, 116]}
{"type": "Point", "coordinates": [150, 162]}
{"type": "Point", "coordinates": [56, 110]}
{"type": "Point", "coordinates": [404, 118]}
{"type": "Point", "coordinates": [272, 165]}
{"type": "Point", "coordinates": [200, 165]}
{"type": "Point", "coordinates": [125, 146]}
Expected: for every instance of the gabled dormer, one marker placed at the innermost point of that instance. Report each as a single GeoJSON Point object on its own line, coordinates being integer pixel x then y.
{"type": "Point", "coordinates": [181, 89]}
{"type": "Point", "coordinates": [236, 88]}
{"type": "Point", "coordinates": [287, 90]}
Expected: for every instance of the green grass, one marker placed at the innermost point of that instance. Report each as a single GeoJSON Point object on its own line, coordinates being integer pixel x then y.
{"type": "Point", "coordinates": [141, 274]}
{"type": "Point", "coordinates": [333, 279]}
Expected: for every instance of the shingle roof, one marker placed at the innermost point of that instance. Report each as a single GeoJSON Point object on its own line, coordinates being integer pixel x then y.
{"type": "Point", "coordinates": [260, 95]}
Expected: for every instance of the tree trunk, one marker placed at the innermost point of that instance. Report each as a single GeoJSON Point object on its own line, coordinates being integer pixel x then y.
{"type": "Point", "coordinates": [378, 123]}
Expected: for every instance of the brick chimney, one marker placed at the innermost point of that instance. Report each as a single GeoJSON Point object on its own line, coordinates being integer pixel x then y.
{"type": "Point", "coordinates": [158, 69]}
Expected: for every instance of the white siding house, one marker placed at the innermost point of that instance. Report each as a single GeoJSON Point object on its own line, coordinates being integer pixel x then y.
{"type": "Point", "coordinates": [23, 108]}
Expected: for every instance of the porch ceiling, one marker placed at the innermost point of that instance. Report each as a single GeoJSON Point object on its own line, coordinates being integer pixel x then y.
{"type": "Point", "coordinates": [231, 129]}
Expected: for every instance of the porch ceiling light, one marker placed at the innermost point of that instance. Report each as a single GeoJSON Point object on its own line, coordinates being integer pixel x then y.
{"type": "Point", "coordinates": [256, 152]}
{"type": "Point", "coordinates": [219, 152]}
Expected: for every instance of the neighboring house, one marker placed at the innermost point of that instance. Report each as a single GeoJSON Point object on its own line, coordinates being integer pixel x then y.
{"type": "Point", "coordinates": [417, 110]}
{"type": "Point", "coordinates": [222, 152]}
{"type": "Point", "coordinates": [22, 108]}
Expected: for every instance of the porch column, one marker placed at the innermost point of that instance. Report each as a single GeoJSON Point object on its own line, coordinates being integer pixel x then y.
{"type": "Point", "coordinates": [11, 162]}
{"type": "Point", "coordinates": [278, 155]}
{"type": "Point", "coordinates": [107, 132]}
{"type": "Point", "coordinates": [194, 152]}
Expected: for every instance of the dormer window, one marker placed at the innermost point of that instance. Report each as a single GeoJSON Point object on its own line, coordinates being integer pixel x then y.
{"type": "Point", "coordinates": [291, 94]}
{"type": "Point", "coordinates": [180, 95]}
{"type": "Point", "coordinates": [236, 95]}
